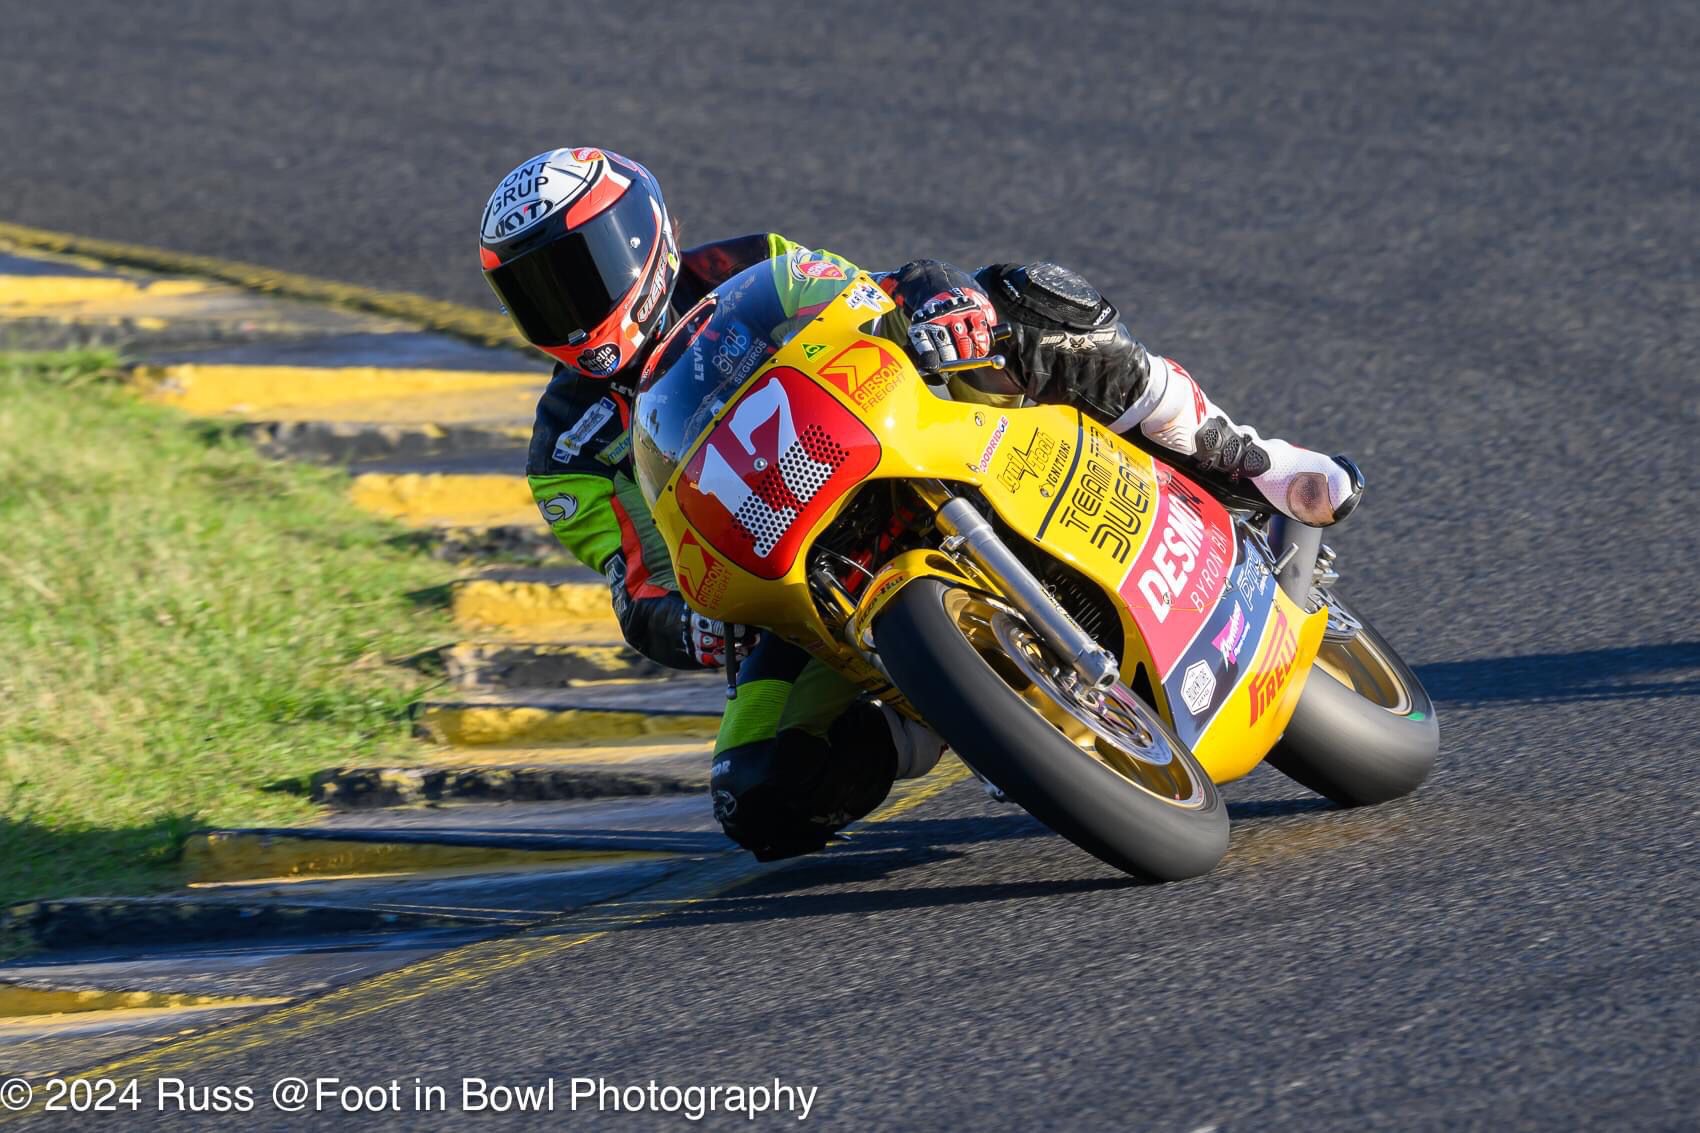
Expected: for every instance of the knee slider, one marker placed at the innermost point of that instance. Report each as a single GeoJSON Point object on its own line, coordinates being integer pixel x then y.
{"type": "Point", "coordinates": [760, 802]}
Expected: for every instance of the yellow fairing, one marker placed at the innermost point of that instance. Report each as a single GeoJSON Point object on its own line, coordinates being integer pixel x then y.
{"type": "Point", "coordinates": [1055, 478]}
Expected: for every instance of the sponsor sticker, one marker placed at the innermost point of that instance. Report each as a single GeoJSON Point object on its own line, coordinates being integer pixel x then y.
{"type": "Point", "coordinates": [617, 452]}
{"type": "Point", "coordinates": [992, 445]}
{"type": "Point", "coordinates": [568, 444]}
{"type": "Point", "coordinates": [1233, 635]}
{"type": "Point", "coordinates": [1253, 581]}
{"type": "Point", "coordinates": [867, 370]}
{"type": "Point", "coordinates": [1181, 570]}
{"type": "Point", "coordinates": [866, 297]}
{"type": "Point", "coordinates": [812, 350]}
{"type": "Point", "coordinates": [807, 265]}
{"type": "Point", "coordinates": [889, 583]}
{"type": "Point", "coordinates": [1271, 677]}
{"type": "Point", "coordinates": [733, 347]}
{"type": "Point", "coordinates": [1198, 686]}
{"type": "Point", "coordinates": [701, 575]}
{"type": "Point", "coordinates": [1020, 463]}
{"type": "Point", "coordinates": [558, 508]}
{"type": "Point", "coordinates": [602, 360]}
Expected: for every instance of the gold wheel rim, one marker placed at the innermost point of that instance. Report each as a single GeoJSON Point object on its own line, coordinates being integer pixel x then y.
{"type": "Point", "coordinates": [1115, 729]}
{"type": "Point", "coordinates": [1357, 663]}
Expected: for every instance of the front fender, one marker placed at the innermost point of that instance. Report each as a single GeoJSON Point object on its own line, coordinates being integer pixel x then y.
{"type": "Point", "coordinates": [893, 577]}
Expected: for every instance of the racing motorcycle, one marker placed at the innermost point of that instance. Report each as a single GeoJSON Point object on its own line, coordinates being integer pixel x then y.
{"type": "Point", "coordinates": [1100, 637]}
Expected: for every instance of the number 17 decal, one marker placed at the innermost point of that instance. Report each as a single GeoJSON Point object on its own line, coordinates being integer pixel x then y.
{"type": "Point", "coordinates": [772, 466]}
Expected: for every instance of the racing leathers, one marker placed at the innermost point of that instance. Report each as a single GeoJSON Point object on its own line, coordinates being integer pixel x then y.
{"type": "Point", "coordinates": [801, 752]}
{"type": "Point", "coordinates": [580, 470]}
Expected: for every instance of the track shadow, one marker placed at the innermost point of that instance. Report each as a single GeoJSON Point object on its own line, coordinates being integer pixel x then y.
{"type": "Point", "coordinates": [773, 898]}
{"type": "Point", "coordinates": [39, 861]}
{"type": "Point", "coordinates": [1007, 825]}
{"type": "Point", "coordinates": [1260, 809]}
{"type": "Point", "coordinates": [1636, 672]}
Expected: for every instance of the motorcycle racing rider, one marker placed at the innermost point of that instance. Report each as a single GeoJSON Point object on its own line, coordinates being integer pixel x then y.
{"type": "Point", "coordinates": [580, 249]}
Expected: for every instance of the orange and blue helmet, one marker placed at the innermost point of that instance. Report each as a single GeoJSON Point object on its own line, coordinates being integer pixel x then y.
{"type": "Point", "coordinates": [578, 246]}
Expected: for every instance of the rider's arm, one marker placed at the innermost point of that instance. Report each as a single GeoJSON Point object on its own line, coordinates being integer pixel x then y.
{"type": "Point", "coordinates": [577, 468]}
{"type": "Point", "coordinates": [707, 266]}
{"type": "Point", "coordinates": [1072, 347]}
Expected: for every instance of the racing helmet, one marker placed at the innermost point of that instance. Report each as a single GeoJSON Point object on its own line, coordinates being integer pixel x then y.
{"type": "Point", "coordinates": [578, 246]}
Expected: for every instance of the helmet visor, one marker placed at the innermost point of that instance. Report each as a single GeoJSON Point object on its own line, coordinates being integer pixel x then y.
{"type": "Point", "coordinates": [570, 285]}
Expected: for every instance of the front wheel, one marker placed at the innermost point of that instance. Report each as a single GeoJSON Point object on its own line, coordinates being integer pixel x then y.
{"type": "Point", "coordinates": [1364, 730]}
{"type": "Point", "coordinates": [1101, 769]}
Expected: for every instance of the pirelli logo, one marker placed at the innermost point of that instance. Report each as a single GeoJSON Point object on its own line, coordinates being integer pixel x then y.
{"type": "Point", "coordinates": [1271, 677]}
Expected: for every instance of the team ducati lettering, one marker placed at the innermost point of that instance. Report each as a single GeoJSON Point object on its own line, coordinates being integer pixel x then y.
{"type": "Point", "coordinates": [1271, 677]}
{"type": "Point", "coordinates": [1109, 499]}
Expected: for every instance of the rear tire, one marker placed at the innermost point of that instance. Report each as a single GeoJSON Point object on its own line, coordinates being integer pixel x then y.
{"type": "Point", "coordinates": [1364, 730]}
{"type": "Point", "coordinates": [939, 645]}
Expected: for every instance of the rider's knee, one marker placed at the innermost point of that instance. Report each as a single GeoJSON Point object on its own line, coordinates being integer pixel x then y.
{"type": "Point", "coordinates": [760, 800]}
{"type": "Point", "coordinates": [789, 795]}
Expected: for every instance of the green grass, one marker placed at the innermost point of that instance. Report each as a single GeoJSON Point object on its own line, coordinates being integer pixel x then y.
{"type": "Point", "coordinates": [182, 624]}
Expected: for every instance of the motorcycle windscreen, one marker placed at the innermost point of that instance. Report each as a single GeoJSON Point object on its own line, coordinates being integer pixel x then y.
{"type": "Point", "coordinates": [708, 356]}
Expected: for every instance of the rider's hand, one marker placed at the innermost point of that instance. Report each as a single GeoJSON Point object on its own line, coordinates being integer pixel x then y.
{"type": "Point", "coordinates": [953, 324]}
{"type": "Point", "coordinates": [706, 639]}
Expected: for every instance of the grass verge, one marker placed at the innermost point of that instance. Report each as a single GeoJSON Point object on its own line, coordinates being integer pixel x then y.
{"type": "Point", "coordinates": [182, 623]}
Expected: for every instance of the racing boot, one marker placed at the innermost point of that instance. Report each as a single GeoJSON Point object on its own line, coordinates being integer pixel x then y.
{"type": "Point", "coordinates": [1304, 485]}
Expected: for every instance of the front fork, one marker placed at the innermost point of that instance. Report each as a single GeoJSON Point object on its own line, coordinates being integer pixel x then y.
{"type": "Point", "coordinates": [968, 534]}
{"type": "Point", "coordinates": [1304, 566]}
{"type": "Point", "coordinates": [1296, 546]}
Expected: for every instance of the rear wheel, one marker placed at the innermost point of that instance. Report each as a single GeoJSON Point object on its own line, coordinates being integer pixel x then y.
{"type": "Point", "coordinates": [1101, 769]}
{"type": "Point", "coordinates": [1364, 730]}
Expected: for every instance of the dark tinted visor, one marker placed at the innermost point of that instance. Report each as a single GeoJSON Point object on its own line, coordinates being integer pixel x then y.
{"type": "Point", "coordinates": [573, 283]}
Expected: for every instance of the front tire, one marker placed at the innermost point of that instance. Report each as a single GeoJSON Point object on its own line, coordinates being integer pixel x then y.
{"type": "Point", "coordinates": [1364, 731]}
{"type": "Point", "coordinates": [1112, 778]}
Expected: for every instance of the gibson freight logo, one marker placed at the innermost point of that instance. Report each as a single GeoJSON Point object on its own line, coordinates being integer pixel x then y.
{"type": "Point", "coordinates": [866, 371]}
{"type": "Point", "coordinates": [1277, 666]}
{"type": "Point", "coordinates": [701, 576]}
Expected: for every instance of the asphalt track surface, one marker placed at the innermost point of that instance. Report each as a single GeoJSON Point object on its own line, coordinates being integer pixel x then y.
{"type": "Point", "coordinates": [1455, 239]}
